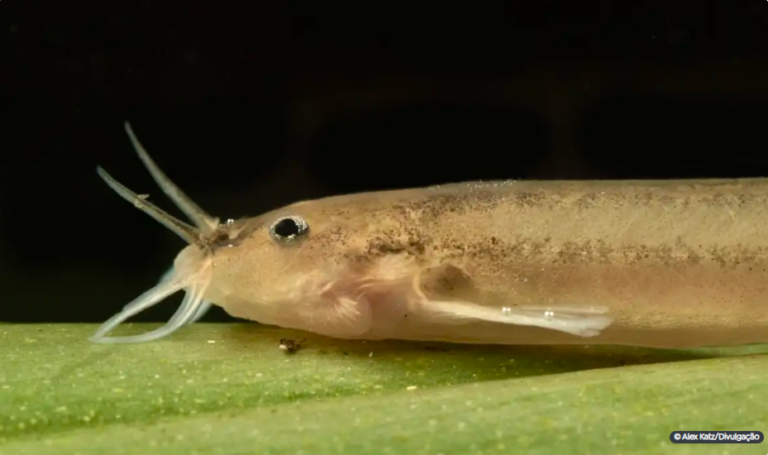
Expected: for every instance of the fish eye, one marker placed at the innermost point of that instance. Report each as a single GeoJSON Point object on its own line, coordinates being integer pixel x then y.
{"type": "Point", "coordinates": [288, 228]}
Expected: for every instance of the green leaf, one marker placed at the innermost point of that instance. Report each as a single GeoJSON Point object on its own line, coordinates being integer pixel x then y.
{"type": "Point", "coordinates": [228, 389]}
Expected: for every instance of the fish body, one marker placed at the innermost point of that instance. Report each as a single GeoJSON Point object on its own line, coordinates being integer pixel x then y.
{"type": "Point", "coordinates": [671, 264]}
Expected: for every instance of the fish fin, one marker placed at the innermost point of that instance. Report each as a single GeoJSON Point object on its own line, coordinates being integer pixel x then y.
{"type": "Point", "coordinates": [338, 312]}
{"type": "Point", "coordinates": [583, 322]}
{"type": "Point", "coordinates": [434, 286]}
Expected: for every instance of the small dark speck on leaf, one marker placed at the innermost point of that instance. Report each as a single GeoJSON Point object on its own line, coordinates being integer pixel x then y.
{"type": "Point", "coordinates": [289, 345]}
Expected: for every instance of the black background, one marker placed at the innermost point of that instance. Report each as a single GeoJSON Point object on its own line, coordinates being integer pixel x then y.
{"type": "Point", "coordinates": [253, 105]}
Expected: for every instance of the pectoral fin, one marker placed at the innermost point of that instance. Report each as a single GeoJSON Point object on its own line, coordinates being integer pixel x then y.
{"type": "Point", "coordinates": [586, 322]}
{"type": "Point", "coordinates": [446, 292]}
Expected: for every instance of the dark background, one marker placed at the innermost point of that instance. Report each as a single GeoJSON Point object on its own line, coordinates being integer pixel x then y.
{"type": "Point", "coordinates": [252, 105]}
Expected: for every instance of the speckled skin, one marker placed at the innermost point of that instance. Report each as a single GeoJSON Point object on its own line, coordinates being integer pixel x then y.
{"type": "Point", "coordinates": [678, 263]}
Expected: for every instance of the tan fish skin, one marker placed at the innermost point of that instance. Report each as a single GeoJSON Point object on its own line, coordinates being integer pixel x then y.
{"type": "Point", "coordinates": [677, 263]}
{"type": "Point", "coordinates": [674, 264]}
